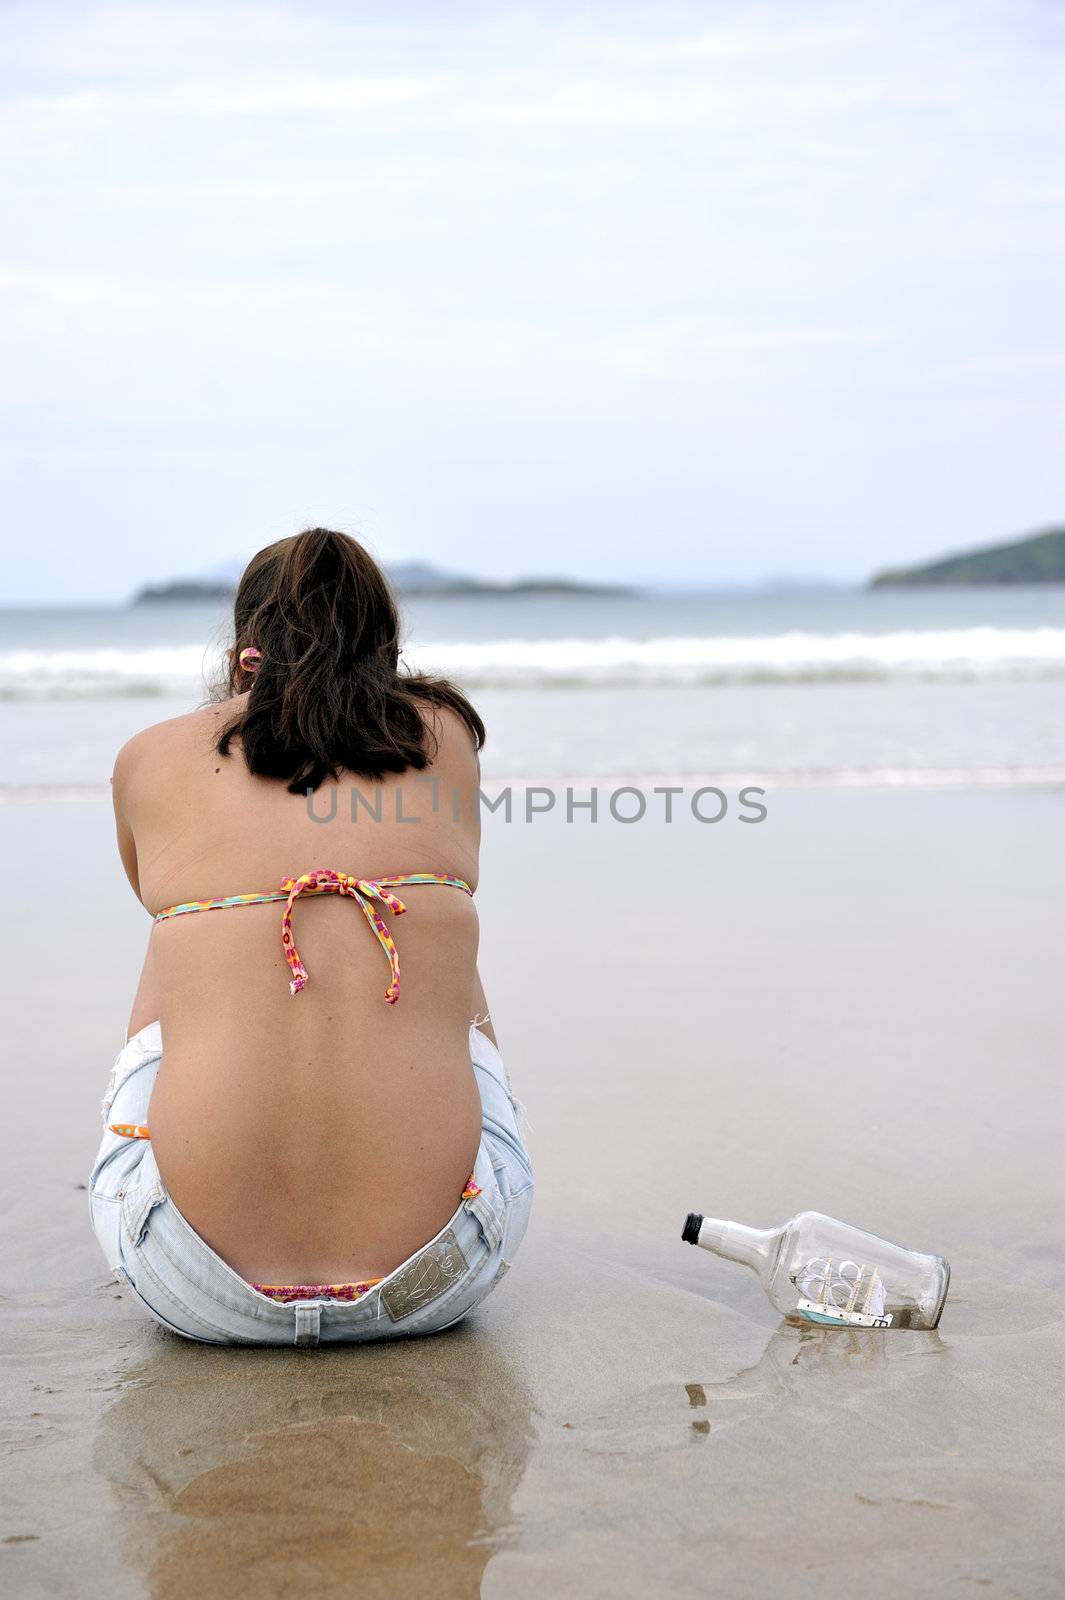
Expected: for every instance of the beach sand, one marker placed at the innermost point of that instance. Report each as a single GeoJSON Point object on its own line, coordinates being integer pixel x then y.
{"type": "Point", "coordinates": [855, 1006]}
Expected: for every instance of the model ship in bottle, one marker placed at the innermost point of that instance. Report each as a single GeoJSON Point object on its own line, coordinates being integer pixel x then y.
{"type": "Point", "coordinates": [815, 1269]}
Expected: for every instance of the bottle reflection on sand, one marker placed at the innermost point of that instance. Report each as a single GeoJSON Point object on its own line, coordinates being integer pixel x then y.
{"type": "Point", "coordinates": [804, 1377]}
{"type": "Point", "coordinates": [383, 1470]}
{"type": "Point", "coordinates": [814, 1369]}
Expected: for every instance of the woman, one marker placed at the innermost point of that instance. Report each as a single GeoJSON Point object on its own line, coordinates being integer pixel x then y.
{"type": "Point", "coordinates": [308, 1158]}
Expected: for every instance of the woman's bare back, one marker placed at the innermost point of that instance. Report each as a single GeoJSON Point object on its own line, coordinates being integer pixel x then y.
{"type": "Point", "coordinates": [321, 1137]}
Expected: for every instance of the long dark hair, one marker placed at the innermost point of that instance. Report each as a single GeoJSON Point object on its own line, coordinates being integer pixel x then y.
{"type": "Point", "coordinates": [328, 693]}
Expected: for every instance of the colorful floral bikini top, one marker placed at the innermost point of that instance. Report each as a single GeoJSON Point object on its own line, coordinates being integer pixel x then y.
{"type": "Point", "coordinates": [364, 891]}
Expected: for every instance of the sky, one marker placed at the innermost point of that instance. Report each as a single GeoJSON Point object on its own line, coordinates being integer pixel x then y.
{"type": "Point", "coordinates": [682, 292]}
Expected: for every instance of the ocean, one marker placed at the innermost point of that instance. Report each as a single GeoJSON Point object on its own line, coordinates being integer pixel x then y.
{"type": "Point", "coordinates": [840, 687]}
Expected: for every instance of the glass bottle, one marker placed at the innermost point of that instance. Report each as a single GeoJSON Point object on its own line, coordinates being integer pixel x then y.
{"type": "Point", "coordinates": [815, 1269]}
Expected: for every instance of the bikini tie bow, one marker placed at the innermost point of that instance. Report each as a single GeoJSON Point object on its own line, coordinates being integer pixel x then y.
{"type": "Point", "coordinates": [364, 891]}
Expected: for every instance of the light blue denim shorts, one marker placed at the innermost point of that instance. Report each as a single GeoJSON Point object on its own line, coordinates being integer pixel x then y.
{"type": "Point", "coordinates": [184, 1285]}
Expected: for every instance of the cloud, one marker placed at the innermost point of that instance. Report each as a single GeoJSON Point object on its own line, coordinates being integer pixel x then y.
{"type": "Point", "coordinates": [678, 343]}
{"type": "Point", "coordinates": [601, 102]}
{"type": "Point", "coordinates": [242, 98]}
{"type": "Point", "coordinates": [335, 323]}
{"type": "Point", "coordinates": [616, 104]}
{"type": "Point", "coordinates": [391, 180]}
{"type": "Point", "coordinates": [268, 315]}
{"type": "Point", "coordinates": [735, 43]}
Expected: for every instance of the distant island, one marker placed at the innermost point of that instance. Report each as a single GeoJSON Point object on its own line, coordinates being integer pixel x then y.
{"type": "Point", "coordinates": [407, 579]}
{"type": "Point", "coordinates": [1034, 558]}
{"type": "Point", "coordinates": [183, 589]}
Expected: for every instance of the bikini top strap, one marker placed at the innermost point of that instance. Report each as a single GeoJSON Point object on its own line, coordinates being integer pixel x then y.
{"type": "Point", "coordinates": [326, 881]}
{"type": "Point", "coordinates": [188, 906]}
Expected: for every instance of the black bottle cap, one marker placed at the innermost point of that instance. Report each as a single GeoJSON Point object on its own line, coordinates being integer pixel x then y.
{"type": "Point", "coordinates": [690, 1235]}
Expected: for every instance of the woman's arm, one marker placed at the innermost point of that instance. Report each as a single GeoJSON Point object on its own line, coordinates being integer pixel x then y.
{"type": "Point", "coordinates": [127, 848]}
{"type": "Point", "coordinates": [145, 1001]}
{"type": "Point", "coordinates": [479, 1012]}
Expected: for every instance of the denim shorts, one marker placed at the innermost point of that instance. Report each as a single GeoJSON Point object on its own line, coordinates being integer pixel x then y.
{"type": "Point", "coordinates": [183, 1284]}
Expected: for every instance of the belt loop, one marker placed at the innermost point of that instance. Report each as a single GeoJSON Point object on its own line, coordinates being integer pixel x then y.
{"type": "Point", "coordinates": [308, 1323]}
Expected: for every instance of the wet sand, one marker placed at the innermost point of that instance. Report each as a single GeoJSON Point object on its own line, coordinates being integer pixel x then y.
{"type": "Point", "coordinates": [855, 1006]}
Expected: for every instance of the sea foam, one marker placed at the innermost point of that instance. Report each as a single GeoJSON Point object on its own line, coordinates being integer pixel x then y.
{"type": "Point", "coordinates": [959, 654]}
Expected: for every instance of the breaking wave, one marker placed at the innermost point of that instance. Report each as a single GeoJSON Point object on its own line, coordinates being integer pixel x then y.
{"type": "Point", "coordinates": [951, 655]}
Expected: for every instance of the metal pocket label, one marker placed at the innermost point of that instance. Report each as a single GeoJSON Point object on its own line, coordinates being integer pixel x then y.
{"type": "Point", "coordinates": [432, 1271]}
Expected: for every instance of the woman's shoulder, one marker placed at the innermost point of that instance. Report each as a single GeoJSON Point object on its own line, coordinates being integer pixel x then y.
{"type": "Point", "coordinates": [454, 753]}
{"type": "Point", "coordinates": [174, 740]}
